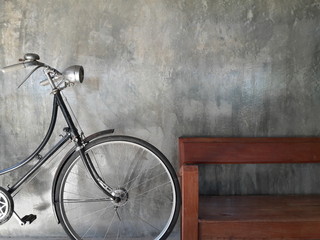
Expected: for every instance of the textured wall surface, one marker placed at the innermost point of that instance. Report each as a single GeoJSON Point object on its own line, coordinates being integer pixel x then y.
{"type": "Point", "coordinates": [161, 69]}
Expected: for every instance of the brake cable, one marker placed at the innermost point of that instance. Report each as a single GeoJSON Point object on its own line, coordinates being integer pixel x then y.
{"type": "Point", "coordinates": [35, 69]}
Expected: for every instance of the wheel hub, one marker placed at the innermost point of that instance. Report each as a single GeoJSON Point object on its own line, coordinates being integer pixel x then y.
{"type": "Point", "coordinates": [121, 197]}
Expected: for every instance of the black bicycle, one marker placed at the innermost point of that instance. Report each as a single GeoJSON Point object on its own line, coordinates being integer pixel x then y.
{"type": "Point", "coordinates": [106, 186]}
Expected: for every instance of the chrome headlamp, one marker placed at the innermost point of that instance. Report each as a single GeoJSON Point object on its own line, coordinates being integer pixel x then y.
{"type": "Point", "coordinates": [74, 74]}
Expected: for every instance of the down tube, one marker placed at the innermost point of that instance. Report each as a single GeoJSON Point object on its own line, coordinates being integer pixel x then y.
{"type": "Point", "coordinates": [36, 167]}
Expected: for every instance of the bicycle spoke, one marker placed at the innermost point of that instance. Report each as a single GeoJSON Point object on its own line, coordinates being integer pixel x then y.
{"type": "Point", "coordinates": [137, 156]}
{"type": "Point", "coordinates": [139, 175]}
{"type": "Point", "coordinates": [86, 200]}
{"type": "Point", "coordinates": [148, 180]}
{"type": "Point", "coordinates": [120, 225]}
{"type": "Point", "coordinates": [118, 232]}
{"type": "Point", "coordinates": [85, 191]}
{"type": "Point", "coordinates": [93, 224]}
{"type": "Point", "coordinates": [83, 168]}
{"type": "Point", "coordinates": [151, 199]}
{"type": "Point", "coordinates": [145, 221]}
{"type": "Point", "coordinates": [85, 175]}
{"type": "Point", "coordinates": [91, 213]}
{"type": "Point", "coordinates": [150, 190]}
{"type": "Point", "coordinates": [109, 225]}
{"type": "Point", "coordinates": [73, 208]}
{"type": "Point", "coordinates": [118, 173]}
{"type": "Point", "coordinates": [76, 194]}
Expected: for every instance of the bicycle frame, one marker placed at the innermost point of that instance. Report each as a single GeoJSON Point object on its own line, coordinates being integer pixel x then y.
{"type": "Point", "coordinates": [139, 173]}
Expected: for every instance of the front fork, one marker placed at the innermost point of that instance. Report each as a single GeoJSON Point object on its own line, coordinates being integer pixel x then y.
{"type": "Point", "coordinates": [87, 161]}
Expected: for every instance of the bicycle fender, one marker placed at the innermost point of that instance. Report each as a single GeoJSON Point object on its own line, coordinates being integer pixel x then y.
{"type": "Point", "coordinates": [98, 135]}
{"type": "Point", "coordinates": [65, 159]}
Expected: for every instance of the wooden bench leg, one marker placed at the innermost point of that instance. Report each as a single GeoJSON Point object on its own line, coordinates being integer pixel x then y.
{"type": "Point", "coordinates": [190, 202]}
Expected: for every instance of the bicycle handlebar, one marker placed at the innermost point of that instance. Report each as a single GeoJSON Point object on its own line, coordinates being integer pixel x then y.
{"type": "Point", "coordinates": [13, 67]}
{"type": "Point", "coordinates": [21, 65]}
{"type": "Point", "coordinates": [29, 59]}
{"type": "Point", "coordinates": [70, 75]}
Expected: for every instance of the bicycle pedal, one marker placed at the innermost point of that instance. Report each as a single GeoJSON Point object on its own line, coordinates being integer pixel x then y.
{"type": "Point", "coordinates": [28, 218]}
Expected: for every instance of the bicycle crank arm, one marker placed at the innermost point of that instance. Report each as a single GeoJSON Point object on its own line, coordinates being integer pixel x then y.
{"type": "Point", "coordinates": [28, 219]}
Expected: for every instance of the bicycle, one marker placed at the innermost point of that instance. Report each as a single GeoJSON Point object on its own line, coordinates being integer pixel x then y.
{"type": "Point", "coordinates": [106, 186]}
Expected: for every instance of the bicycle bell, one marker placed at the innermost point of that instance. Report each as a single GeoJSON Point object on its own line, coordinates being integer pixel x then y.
{"type": "Point", "coordinates": [74, 74]}
{"type": "Point", "coordinates": [30, 57]}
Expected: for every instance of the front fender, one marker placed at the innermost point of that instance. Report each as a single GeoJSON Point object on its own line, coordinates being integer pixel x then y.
{"type": "Point", "coordinates": [65, 159]}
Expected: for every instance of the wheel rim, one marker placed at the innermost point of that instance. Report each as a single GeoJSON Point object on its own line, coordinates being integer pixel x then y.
{"type": "Point", "coordinates": [142, 183]}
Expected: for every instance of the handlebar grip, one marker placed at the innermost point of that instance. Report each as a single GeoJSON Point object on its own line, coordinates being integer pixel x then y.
{"type": "Point", "coordinates": [13, 67]}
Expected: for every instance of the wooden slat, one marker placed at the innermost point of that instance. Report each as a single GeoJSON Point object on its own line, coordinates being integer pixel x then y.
{"type": "Point", "coordinates": [190, 203]}
{"type": "Point", "coordinates": [249, 150]}
{"type": "Point", "coordinates": [259, 217]}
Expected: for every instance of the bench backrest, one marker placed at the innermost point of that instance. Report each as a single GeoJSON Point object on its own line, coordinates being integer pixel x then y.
{"type": "Point", "coordinates": [208, 150]}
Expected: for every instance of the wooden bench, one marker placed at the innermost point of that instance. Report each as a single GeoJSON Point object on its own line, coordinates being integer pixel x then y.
{"type": "Point", "coordinates": [246, 217]}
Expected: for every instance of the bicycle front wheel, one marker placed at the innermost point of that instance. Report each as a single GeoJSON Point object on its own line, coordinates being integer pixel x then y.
{"type": "Point", "coordinates": [141, 177]}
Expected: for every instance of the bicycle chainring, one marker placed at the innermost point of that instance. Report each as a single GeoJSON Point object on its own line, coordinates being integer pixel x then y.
{"type": "Point", "coordinates": [6, 205]}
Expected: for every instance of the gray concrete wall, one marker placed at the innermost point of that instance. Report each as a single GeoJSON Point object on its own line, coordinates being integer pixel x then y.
{"type": "Point", "coordinates": [161, 69]}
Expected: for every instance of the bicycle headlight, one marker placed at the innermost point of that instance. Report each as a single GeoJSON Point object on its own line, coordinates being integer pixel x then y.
{"type": "Point", "coordinates": [74, 74]}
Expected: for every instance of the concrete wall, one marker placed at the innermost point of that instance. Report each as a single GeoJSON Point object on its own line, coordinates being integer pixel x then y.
{"type": "Point", "coordinates": [160, 69]}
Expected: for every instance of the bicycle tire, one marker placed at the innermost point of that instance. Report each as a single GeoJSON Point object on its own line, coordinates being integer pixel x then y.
{"type": "Point", "coordinates": [148, 185]}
